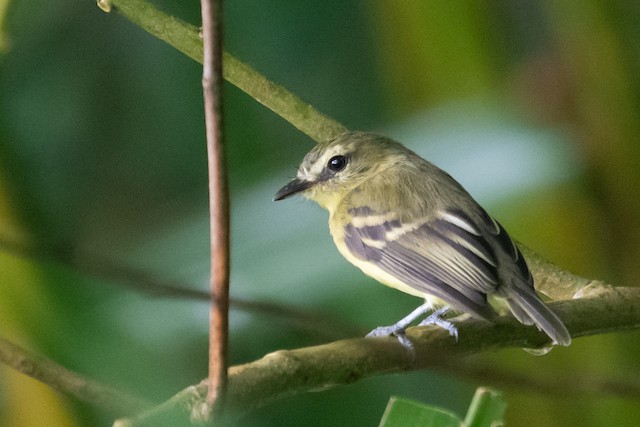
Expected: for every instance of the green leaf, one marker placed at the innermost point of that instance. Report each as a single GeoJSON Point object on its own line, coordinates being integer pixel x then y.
{"type": "Point", "coordinates": [402, 412]}
{"type": "Point", "coordinates": [487, 409]}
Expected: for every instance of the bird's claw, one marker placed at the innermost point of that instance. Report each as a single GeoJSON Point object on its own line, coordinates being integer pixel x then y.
{"type": "Point", "coordinates": [384, 331]}
{"type": "Point", "coordinates": [435, 319]}
{"type": "Point", "coordinates": [398, 330]}
{"type": "Point", "coordinates": [393, 330]}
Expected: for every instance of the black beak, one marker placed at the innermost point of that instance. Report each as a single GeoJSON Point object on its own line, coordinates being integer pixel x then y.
{"type": "Point", "coordinates": [293, 187]}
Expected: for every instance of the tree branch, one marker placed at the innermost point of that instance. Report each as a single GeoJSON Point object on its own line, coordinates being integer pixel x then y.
{"type": "Point", "coordinates": [555, 282]}
{"type": "Point", "coordinates": [287, 372]}
{"type": "Point", "coordinates": [219, 210]}
{"type": "Point", "coordinates": [185, 38]}
{"type": "Point", "coordinates": [48, 372]}
{"type": "Point", "coordinates": [284, 373]}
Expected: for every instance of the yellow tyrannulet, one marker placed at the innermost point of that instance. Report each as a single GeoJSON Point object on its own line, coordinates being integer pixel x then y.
{"type": "Point", "coordinates": [408, 224]}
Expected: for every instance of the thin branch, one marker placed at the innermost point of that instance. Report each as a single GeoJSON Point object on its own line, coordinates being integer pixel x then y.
{"type": "Point", "coordinates": [278, 99]}
{"type": "Point", "coordinates": [288, 372]}
{"type": "Point", "coordinates": [555, 282]}
{"type": "Point", "coordinates": [324, 326]}
{"type": "Point", "coordinates": [48, 372]}
{"type": "Point", "coordinates": [219, 210]}
{"type": "Point", "coordinates": [185, 38]}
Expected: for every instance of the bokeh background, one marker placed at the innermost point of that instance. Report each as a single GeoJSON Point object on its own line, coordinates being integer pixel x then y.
{"type": "Point", "coordinates": [533, 105]}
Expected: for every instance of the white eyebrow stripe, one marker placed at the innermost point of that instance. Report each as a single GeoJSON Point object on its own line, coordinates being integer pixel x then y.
{"type": "Point", "coordinates": [459, 222]}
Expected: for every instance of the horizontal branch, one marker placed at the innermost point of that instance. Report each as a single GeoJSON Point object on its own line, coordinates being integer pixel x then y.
{"type": "Point", "coordinates": [186, 38]}
{"type": "Point", "coordinates": [555, 282]}
{"type": "Point", "coordinates": [284, 373]}
{"type": "Point", "coordinates": [46, 371]}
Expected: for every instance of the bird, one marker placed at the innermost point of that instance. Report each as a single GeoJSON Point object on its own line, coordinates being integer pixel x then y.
{"type": "Point", "coordinates": [411, 226]}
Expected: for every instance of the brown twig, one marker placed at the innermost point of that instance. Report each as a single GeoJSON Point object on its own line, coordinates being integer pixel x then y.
{"type": "Point", "coordinates": [218, 205]}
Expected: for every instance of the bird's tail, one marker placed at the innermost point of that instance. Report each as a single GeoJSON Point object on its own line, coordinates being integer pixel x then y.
{"type": "Point", "coordinates": [529, 309]}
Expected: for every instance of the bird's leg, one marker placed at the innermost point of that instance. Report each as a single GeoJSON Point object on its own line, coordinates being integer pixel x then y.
{"type": "Point", "coordinates": [398, 329]}
{"type": "Point", "coordinates": [436, 319]}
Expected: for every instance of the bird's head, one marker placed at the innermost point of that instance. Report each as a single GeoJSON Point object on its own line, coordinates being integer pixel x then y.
{"type": "Point", "coordinates": [333, 169]}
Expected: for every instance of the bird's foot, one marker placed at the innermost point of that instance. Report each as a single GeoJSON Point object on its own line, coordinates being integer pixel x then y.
{"type": "Point", "coordinates": [436, 319]}
{"type": "Point", "coordinates": [393, 330]}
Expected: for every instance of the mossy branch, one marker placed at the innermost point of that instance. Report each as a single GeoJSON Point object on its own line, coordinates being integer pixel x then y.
{"type": "Point", "coordinates": [601, 309]}
{"type": "Point", "coordinates": [288, 372]}
{"type": "Point", "coordinates": [186, 38]}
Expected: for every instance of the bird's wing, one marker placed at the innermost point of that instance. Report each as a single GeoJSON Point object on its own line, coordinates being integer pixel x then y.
{"type": "Point", "coordinates": [445, 255]}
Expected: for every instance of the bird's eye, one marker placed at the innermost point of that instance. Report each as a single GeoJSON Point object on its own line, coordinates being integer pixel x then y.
{"type": "Point", "coordinates": [337, 163]}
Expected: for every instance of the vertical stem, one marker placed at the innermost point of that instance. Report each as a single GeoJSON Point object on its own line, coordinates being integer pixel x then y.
{"type": "Point", "coordinates": [218, 201]}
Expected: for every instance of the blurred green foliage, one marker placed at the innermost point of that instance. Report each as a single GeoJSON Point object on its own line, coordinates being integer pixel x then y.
{"type": "Point", "coordinates": [102, 159]}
